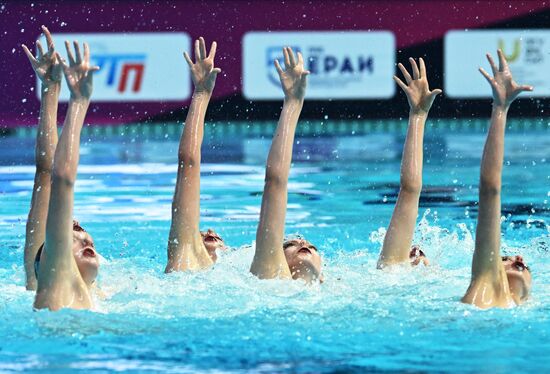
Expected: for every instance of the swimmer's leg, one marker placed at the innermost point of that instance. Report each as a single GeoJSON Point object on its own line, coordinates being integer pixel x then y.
{"type": "Point", "coordinates": [186, 250]}
{"type": "Point", "coordinates": [60, 284]}
{"type": "Point", "coordinates": [489, 284]}
{"type": "Point", "coordinates": [398, 239]}
{"type": "Point", "coordinates": [48, 70]}
{"type": "Point", "coordinates": [269, 259]}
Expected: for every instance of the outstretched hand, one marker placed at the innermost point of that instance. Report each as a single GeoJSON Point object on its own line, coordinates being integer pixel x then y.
{"type": "Point", "coordinates": [505, 89]}
{"type": "Point", "coordinates": [293, 78]}
{"type": "Point", "coordinates": [203, 71]}
{"type": "Point", "coordinates": [78, 73]}
{"type": "Point", "coordinates": [45, 65]}
{"type": "Point", "coordinates": [417, 89]}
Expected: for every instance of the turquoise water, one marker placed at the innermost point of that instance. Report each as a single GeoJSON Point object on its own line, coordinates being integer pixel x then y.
{"type": "Point", "coordinates": [342, 191]}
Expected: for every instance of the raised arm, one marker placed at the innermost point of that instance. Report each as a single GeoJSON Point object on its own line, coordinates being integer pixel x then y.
{"type": "Point", "coordinates": [59, 283]}
{"type": "Point", "coordinates": [48, 70]}
{"type": "Point", "coordinates": [398, 239]}
{"type": "Point", "coordinates": [489, 284]}
{"type": "Point", "coordinates": [186, 250]}
{"type": "Point", "coordinates": [269, 259]}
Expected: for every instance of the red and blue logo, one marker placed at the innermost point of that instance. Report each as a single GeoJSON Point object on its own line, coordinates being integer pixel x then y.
{"type": "Point", "coordinates": [120, 67]}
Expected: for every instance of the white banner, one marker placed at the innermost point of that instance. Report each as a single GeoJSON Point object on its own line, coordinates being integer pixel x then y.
{"type": "Point", "coordinates": [134, 67]}
{"type": "Point", "coordinates": [343, 65]}
{"type": "Point", "coordinates": [527, 52]}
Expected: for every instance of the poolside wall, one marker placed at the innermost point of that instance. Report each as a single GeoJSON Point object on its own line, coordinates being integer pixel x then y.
{"type": "Point", "coordinates": [418, 27]}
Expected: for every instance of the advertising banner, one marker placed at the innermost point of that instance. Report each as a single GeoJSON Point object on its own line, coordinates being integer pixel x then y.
{"type": "Point", "coordinates": [133, 67]}
{"type": "Point", "coordinates": [527, 53]}
{"type": "Point", "coordinates": [343, 65]}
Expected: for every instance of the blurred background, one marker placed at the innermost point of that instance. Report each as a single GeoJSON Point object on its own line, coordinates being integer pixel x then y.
{"type": "Point", "coordinates": [143, 89]}
{"type": "Point", "coordinates": [351, 47]}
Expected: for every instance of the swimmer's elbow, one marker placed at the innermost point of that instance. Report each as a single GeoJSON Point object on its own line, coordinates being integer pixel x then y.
{"type": "Point", "coordinates": [188, 160]}
{"type": "Point", "coordinates": [44, 166]}
{"type": "Point", "coordinates": [274, 178]}
{"type": "Point", "coordinates": [489, 186]}
{"type": "Point", "coordinates": [63, 175]}
{"type": "Point", "coordinates": [411, 186]}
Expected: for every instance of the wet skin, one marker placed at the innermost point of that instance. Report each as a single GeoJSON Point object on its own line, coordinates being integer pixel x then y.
{"type": "Point", "coordinates": [417, 256]}
{"type": "Point", "coordinates": [213, 242]}
{"type": "Point", "coordinates": [519, 277]}
{"type": "Point", "coordinates": [86, 256]}
{"type": "Point", "coordinates": [303, 259]}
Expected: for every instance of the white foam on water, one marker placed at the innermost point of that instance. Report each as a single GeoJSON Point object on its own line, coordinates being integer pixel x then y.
{"type": "Point", "coordinates": [358, 313]}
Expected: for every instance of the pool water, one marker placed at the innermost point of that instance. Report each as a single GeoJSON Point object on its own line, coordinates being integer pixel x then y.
{"type": "Point", "coordinates": [341, 195]}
